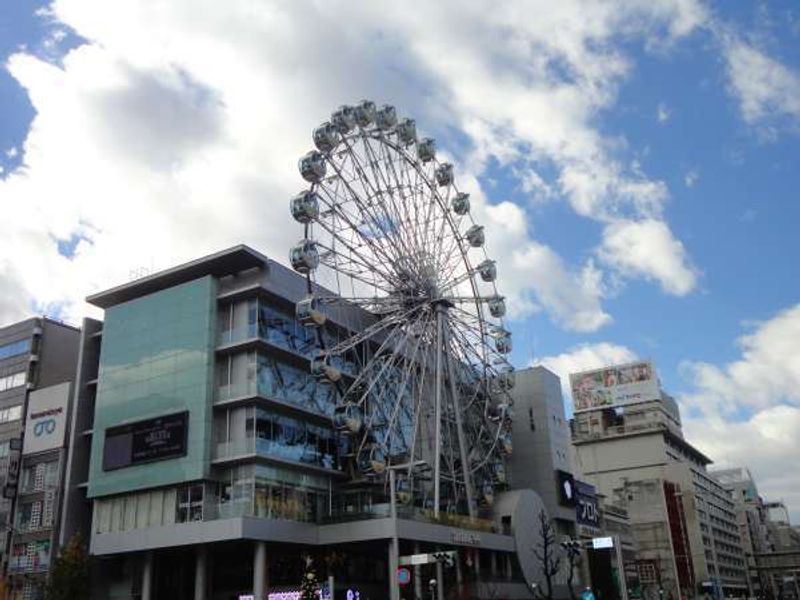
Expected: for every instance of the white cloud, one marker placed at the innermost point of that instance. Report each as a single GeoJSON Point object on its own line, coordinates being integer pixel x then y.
{"type": "Point", "coordinates": [691, 178]}
{"type": "Point", "coordinates": [747, 412]}
{"type": "Point", "coordinates": [767, 91]}
{"type": "Point", "coordinates": [648, 249]}
{"type": "Point", "coordinates": [583, 358]}
{"type": "Point", "coordinates": [663, 113]}
{"type": "Point", "coordinates": [767, 374]}
{"type": "Point", "coordinates": [176, 130]}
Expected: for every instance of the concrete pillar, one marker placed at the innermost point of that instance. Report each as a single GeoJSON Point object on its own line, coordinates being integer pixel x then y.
{"type": "Point", "coordinates": [200, 573]}
{"type": "Point", "coordinates": [508, 566]}
{"type": "Point", "coordinates": [493, 566]}
{"type": "Point", "coordinates": [417, 576]}
{"type": "Point", "coordinates": [147, 577]}
{"type": "Point", "coordinates": [260, 571]}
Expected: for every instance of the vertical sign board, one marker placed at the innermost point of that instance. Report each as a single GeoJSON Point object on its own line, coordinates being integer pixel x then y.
{"type": "Point", "coordinates": [46, 422]}
{"type": "Point", "coordinates": [587, 510]}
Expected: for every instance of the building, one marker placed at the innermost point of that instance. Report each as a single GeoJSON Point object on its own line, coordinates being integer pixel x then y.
{"type": "Point", "coordinates": [37, 364]}
{"type": "Point", "coordinates": [782, 564]}
{"type": "Point", "coordinates": [752, 519]}
{"type": "Point", "coordinates": [629, 444]}
{"type": "Point", "coordinates": [203, 449]}
{"type": "Point", "coordinates": [541, 459]}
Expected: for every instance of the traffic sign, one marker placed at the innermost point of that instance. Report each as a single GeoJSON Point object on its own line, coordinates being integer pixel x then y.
{"type": "Point", "coordinates": [403, 576]}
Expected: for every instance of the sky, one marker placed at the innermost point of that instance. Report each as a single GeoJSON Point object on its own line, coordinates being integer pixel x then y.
{"type": "Point", "coordinates": [635, 165]}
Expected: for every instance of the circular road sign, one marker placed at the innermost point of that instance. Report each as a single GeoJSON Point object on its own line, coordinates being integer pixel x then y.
{"type": "Point", "coordinates": [403, 576]}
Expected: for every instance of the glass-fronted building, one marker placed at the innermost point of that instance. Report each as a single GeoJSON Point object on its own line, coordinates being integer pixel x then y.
{"type": "Point", "coordinates": [204, 451]}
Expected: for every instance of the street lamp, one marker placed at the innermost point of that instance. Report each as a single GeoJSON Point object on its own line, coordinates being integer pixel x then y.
{"type": "Point", "coordinates": [432, 586]}
{"type": "Point", "coordinates": [534, 589]}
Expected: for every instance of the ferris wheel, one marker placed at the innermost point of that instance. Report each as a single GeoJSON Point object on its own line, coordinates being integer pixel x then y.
{"type": "Point", "coordinates": [409, 321]}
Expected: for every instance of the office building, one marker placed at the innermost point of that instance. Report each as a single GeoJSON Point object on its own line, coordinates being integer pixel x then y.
{"type": "Point", "coordinates": [37, 364]}
{"type": "Point", "coordinates": [629, 444]}
{"type": "Point", "coordinates": [752, 519]}
{"type": "Point", "coordinates": [203, 449]}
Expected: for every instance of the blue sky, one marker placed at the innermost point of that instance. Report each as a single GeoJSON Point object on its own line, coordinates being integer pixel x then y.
{"type": "Point", "coordinates": [636, 166]}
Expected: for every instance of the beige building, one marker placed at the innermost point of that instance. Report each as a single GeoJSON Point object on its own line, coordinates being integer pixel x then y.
{"type": "Point", "coordinates": [683, 520]}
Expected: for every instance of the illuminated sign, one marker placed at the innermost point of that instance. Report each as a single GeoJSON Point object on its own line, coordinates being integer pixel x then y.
{"type": "Point", "coordinates": [601, 543]}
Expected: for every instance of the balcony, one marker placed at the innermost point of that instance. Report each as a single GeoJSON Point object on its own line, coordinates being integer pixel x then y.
{"type": "Point", "coordinates": [299, 393]}
{"type": "Point", "coordinates": [303, 455]}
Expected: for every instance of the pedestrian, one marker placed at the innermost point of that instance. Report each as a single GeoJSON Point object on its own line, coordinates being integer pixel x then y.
{"type": "Point", "coordinates": [587, 594]}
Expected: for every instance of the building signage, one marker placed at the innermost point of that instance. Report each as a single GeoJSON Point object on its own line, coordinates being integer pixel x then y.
{"type": "Point", "coordinates": [601, 543]}
{"type": "Point", "coordinates": [146, 441]}
{"type": "Point", "coordinates": [566, 488]}
{"type": "Point", "coordinates": [614, 386]}
{"type": "Point", "coordinates": [587, 509]}
{"type": "Point", "coordinates": [466, 537]}
{"type": "Point", "coordinates": [46, 422]}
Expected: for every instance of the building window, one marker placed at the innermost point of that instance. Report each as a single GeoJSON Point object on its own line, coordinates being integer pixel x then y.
{"type": "Point", "coordinates": [15, 348]}
{"type": "Point", "coordinates": [13, 413]}
{"type": "Point", "coordinates": [14, 380]}
{"type": "Point", "coordinates": [190, 503]}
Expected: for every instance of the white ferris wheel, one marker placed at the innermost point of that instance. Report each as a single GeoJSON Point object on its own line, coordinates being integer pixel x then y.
{"type": "Point", "coordinates": [396, 266]}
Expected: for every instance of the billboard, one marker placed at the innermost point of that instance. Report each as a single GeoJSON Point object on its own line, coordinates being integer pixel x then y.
{"type": "Point", "coordinates": [146, 441]}
{"type": "Point", "coordinates": [614, 386]}
{"type": "Point", "coordinates": [46, 422]}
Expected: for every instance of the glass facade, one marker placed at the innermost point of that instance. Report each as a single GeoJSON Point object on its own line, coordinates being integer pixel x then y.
{"type": "Point", "coordinates": [264, 321]}
{"type": "Point", "coordinates": [157, 359]}
{"type": "Point", "coordinates": [272, 435]}
{"type": "Point", "coordinates": [15, 348]}
{"type": "Point", "coordinates": [268, 377]}
{"type": "Point", "coordinates": [272, 493]}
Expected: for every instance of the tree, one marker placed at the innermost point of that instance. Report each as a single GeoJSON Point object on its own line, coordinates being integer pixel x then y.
{"type": "Point", "coordinates": [69, 575]}
{"type": "Point", "coordinates": [309, 586]}
{"type": "Point", "coordinates": [572, 548]}
{"type": "Point", "coordinates": [546, 552]}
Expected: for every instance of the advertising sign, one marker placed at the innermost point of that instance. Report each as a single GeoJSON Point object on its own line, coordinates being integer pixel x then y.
{"type": "Point", "coordinates": [146, 441]}
{"type": "Point", "coordinates": [587, 510]}
{"type": "Point", "coordinates": [566, 488]}
{"type": "Point", "coordinates": [614, 386]}
{"type": "Point", "coordinates": [47, 418]}
{"type": "Point", "coordinates": [601, 543]}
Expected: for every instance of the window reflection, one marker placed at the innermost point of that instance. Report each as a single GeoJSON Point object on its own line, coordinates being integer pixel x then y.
{"type": "Point", "coordinates": [285, 437]}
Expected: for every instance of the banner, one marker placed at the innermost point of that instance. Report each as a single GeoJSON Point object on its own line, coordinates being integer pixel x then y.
{"type": "Point", "coordinates": [47, 418]}
{"type": "Point", "coordinates": [614, 386]}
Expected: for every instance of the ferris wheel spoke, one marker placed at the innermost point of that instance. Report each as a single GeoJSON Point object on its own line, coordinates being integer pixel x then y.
{"type": "Point", "coordinates": [378, 253]}
{"type": "Point", "coordinates": [383, 216]}
{"type": "Point", "coordinates": [372, 332]}
{"type": "Point", "coordinates": [357, 254]}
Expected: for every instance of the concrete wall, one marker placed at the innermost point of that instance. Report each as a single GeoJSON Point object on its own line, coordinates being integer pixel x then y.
{"type": "Point", "coordinates": [541, 438]}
